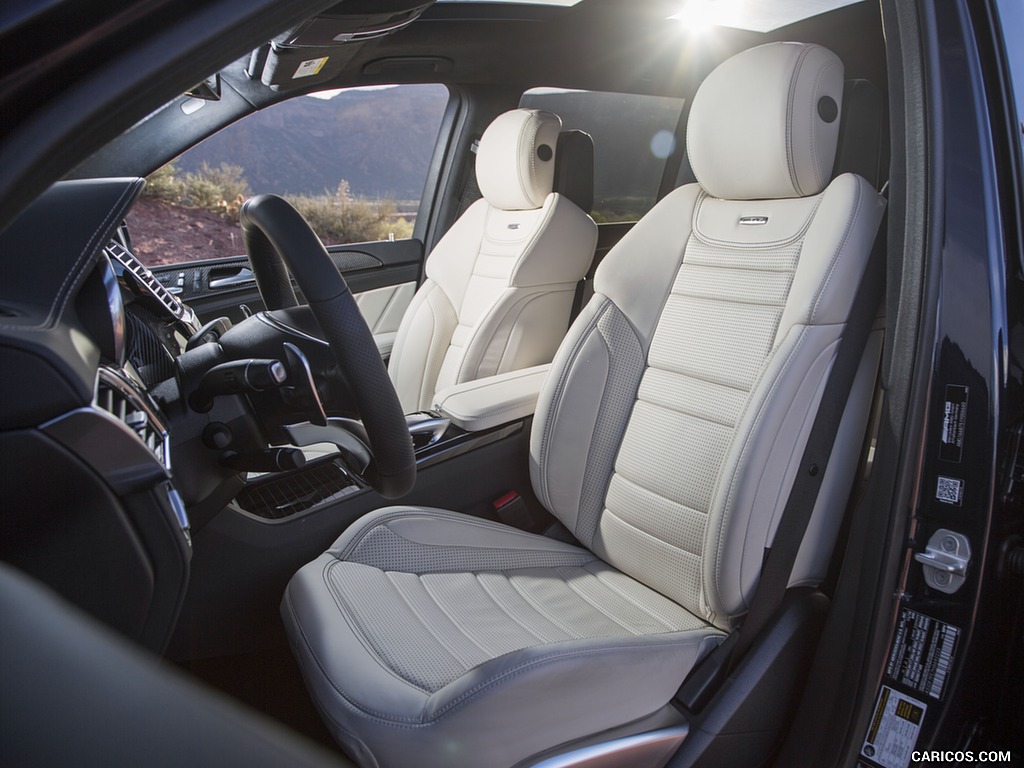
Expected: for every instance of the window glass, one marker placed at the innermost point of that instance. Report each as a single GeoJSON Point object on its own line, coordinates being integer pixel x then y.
{"type": "Point", "coordinates": [353, 162]}
{"type": "Point", "coordinates": [633, 136]}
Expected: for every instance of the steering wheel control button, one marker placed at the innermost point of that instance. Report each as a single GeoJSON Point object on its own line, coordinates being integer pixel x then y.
{"type": "Point", "coordinates": [945, 560]}
{"type": "Point", "coordinates": [236, 377]}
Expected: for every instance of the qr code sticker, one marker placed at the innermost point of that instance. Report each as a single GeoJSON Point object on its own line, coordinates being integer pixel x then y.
{"type": "Point", "coordinates": [950, 490]}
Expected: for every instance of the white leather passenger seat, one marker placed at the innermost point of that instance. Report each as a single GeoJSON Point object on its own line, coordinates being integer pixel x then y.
{"type": "Point", "coordinates": [500, 283]}
{"type": "Point", "coordinates": [666, 438]}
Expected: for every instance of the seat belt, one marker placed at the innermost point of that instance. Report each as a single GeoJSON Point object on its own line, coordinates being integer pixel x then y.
{"type": "Point", "coordinates": [789, 535]}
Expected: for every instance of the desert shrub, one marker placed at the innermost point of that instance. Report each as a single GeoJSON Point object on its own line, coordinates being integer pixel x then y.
{"type": "Point", "coordinates": [220, 189]}
{"type": "Point", "coordinates": [343, 218]}
{"type": "Point", "coordinates": [163, 184]}
{"type": "Point", "coordinates": [338, 217]}
{"type": "Point", "coordinates": [402, 228]}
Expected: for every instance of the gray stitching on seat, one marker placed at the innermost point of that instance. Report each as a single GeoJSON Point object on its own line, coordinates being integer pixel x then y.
{"type": "Point", "coordinates": [556, 399]}
{"type": "Point", "coordinates": [611, 587]}
{"type": "Point", "coordinates": [754, 246]}
{"type": "Point", "coordinates": [346, 613]}
{"type": "Point", "coordinates": [506, 611]}
{"type": "Point", "coordinates": [790, 104]}
{"type": "Point", "coordinates": [848, 229]}
{"type": "Point", "coordinates": [538, 608]}
{"type": "Point", "coordinates": [490, 654]}
{"type": "Point", "coordinates": [727, 505]}
{"type": "Point", "coordinates": [673, 408]}
{"type": "Point", "coordinates": [560, 573]}
{"type": "Point", "coordinates": [639, 491]}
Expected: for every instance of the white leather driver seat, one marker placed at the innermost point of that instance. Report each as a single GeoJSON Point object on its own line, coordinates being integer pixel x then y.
{"type": "Point", "coordinates": [666, 439]}
{"type": "Point", "coordinates": [500, 283]}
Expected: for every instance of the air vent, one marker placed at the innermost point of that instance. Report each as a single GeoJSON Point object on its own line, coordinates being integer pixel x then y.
{"type": "Point", "coordinates": [275, 497]}
{"type": "Point", "coordinates": [116, 396]}
{"type": "Point", "coordinates": [145, 278]}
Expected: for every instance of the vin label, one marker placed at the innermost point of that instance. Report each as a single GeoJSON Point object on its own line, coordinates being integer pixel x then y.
{"type": "Point", "coordinates": [954, 422]}
{"type": "Point", "coordinates": [922, 653]}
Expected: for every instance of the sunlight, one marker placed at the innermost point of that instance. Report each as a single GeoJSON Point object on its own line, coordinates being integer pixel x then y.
{"type": "Point", "coordinates": [700, 16]}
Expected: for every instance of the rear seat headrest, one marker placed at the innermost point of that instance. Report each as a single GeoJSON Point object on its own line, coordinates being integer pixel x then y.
{"type": "Point", "coordinates": [764, 123]}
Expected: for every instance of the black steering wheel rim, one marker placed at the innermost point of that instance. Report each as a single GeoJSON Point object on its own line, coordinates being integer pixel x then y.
{"type": "Point", "coordinates": [279, 240]}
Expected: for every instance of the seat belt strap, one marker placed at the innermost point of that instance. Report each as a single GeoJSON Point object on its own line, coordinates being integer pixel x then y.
{"type": "Point", "coordinates": [789, 535]}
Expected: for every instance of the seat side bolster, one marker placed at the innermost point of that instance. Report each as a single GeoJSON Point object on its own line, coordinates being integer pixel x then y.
{"type": "Point", "coordinates": [561, 249]}
{"type": "Point", "coordinates": [643, 686]}
{"type": "Point", "coordinates": [320, 641]}
{"type": "Point", "coordinates": [420, 345]}
{"type": "Point", "coordinates": [648, 255]}
{"type": "Point", "coordinates": [842, 233]}
{"type": "Point", "coordinates": [760, 468]}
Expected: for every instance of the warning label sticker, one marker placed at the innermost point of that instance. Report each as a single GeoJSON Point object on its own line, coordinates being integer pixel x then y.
{"type": "Point", "coordinates": [894, 728]}
{"type": "Point", "coordinates": [954, 423]}
{"type": "Point", "coordinates": [922, 653]}
{"type": "Point", "coordinates": [310, 67]}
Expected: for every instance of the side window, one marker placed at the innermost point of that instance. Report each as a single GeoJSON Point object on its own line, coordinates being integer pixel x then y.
{"type": "Point", "coordinates": [633, 137]}
{"type": "Point", "coordinates": [353, 162]}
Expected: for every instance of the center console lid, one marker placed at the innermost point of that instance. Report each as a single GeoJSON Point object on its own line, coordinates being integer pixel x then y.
{"type": "Point", "coordinates": [485, 403]}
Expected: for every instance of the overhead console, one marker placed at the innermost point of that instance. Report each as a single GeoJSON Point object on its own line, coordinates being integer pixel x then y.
{"type": "Point", "coordinates": [318, 49]}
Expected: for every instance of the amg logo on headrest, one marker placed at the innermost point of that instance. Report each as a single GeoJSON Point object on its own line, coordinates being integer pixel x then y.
{"type": "Point", "coordinates": [753, 220]}
{"type": "Point", "coordinates": [513, 226]}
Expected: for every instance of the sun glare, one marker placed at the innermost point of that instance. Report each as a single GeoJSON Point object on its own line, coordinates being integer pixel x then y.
{"type": "Point", "coordinates": [699, 16]}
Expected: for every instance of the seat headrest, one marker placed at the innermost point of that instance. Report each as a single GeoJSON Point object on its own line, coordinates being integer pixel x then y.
{"type": "Point", "coordinates": [574, 168]}
{"type": "Point", "coordinates": [764, 123]}
{"type": "Point", "coordinates": [515, 163]}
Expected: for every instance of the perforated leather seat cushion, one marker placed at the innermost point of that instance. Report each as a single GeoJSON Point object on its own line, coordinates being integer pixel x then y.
{"type": "Point", "coordinates": [438, 644]}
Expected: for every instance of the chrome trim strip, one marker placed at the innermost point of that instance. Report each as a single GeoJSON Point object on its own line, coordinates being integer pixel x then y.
{"type": "Point", "coordinates": [665, 740]}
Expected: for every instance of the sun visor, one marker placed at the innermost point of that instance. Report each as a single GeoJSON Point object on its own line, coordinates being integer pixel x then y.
{"type": "Point", "coordinates": [319, 48]}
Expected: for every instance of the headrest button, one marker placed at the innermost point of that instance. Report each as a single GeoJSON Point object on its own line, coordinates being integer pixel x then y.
{"type": "Point", "coordinates": [827, 109]}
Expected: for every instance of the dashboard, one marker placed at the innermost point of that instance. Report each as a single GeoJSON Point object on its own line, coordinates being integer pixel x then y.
{"type": "Point", "coordinates": [87, 335]}
{"type": "Point", "coordinates": [127, 427]}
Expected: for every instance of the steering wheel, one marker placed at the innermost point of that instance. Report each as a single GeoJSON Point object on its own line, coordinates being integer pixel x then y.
{"type": "Point", "coordinates": [278, 240]}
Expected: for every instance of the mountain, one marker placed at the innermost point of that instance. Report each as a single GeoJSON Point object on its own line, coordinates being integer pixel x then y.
{"type": "Point", "coordinates": [379, 140]}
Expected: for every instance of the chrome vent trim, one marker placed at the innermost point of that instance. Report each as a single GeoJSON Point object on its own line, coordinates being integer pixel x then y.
{"type": "Point", "coordinates": [146, 279]}
{"type": "Point", "coordinates": [117, 397]}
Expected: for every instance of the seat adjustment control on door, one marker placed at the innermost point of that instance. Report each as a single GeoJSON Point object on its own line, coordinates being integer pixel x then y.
{"type": "Point", "coordinates": [945, 560]}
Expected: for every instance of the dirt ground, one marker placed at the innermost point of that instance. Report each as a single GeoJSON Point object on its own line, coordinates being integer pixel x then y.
{"type": "Point", "coordinates": [167, 234]}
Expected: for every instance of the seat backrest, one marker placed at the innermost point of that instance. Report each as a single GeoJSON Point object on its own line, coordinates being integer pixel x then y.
{"type": "Point", "coordinates": [668, 432]}
{"type": "Point", "coordinates": [574, 168]}
{"type": "Point", "coordinates": [500, 283]}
